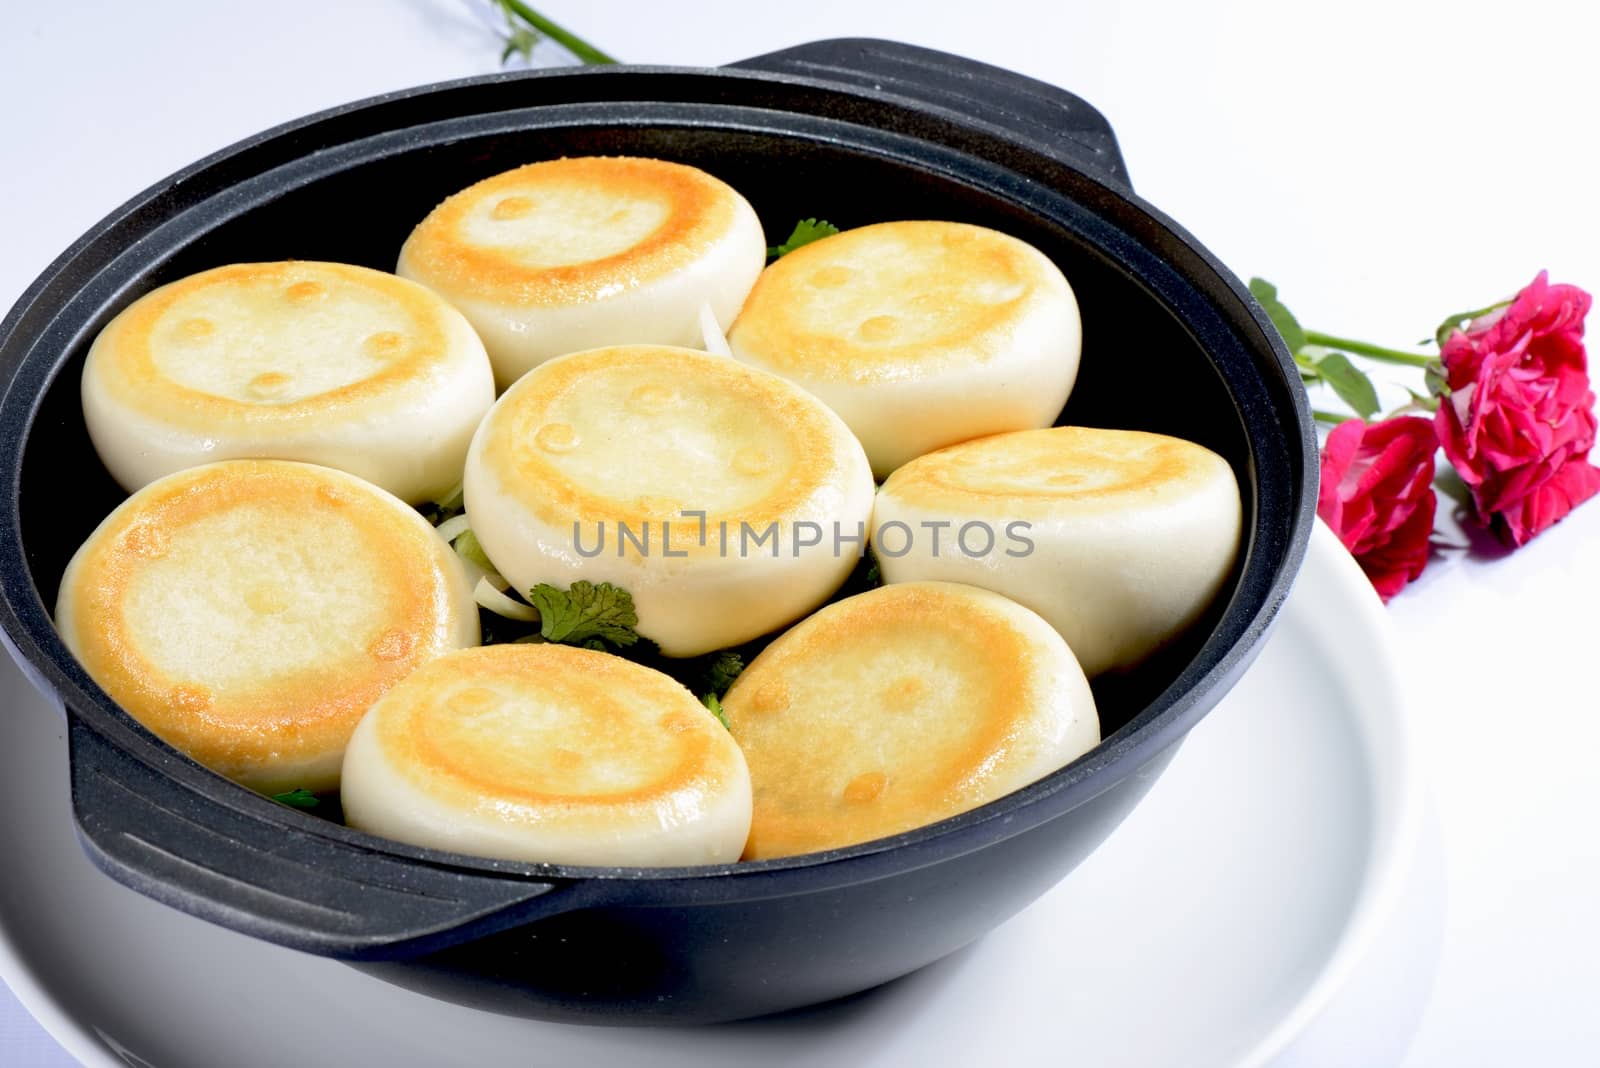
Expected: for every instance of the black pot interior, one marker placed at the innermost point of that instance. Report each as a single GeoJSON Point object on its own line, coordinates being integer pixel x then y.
{"type": "Point", "coordinates": [1141, 367]}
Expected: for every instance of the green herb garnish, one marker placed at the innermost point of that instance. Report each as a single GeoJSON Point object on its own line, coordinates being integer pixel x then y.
{"type": "Point", "coordinates": [596, 617]}
{"type": "Point", "coordinates": [715, 707]}
{"type": "Point", "coordinates": [297, 798]}
{"type": "Point", "coordinates": [723, 667]}
{"type": "Point", "coordinates": [805, 231]}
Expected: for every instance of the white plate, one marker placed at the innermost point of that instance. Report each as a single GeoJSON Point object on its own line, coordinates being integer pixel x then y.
{"type": "Point", "coordinates": [1210, 930]}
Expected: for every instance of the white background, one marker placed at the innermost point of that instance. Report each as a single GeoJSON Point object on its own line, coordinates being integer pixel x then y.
{"type": "Point", "coordinates": [1384, 163]}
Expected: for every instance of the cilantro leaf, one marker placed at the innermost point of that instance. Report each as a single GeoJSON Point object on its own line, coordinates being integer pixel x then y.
{"type": "Point", "coordinates": [1267, 295]}
{"type": "Point", "coordinates": [725, 666]}
{"type": "Point", "coordinates": [297, 798]}
{"type": "Point", "coordinates": [714, 706]}
{"type": "Point", "coordinates": [588, 615]}
{"type": "Point", "coordinates": [805, 231]}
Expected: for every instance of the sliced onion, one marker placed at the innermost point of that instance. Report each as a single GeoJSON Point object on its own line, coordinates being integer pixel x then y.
{"type": "Point", "coordinates": [501, 604]}
{"type": "Point", "coordinates": [454, 527]}
{"type": "Point", "coordinates": [475, 574]}
{"type": "Point", "coordinates": [716, 341]}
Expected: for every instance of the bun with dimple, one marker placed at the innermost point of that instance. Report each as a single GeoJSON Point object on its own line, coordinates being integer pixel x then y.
{"type": "Point", "coordinates": [249, 612]}
{"type": "Point", "coordinates": [547, 753]}
{"type": "Point", "coordinates": [577, 253]}
{"type": "Point", "coordinates": [919, 334]}
{"type": "Point", "coordinates": [721, 497]}
{"type": "Point", "coordinates": [899, 707]}
{"type": "Point", "coordinates": [320, 362]}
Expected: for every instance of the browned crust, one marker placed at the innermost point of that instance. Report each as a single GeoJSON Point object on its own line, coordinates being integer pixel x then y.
{"type": "Point", "coordinates": [418, 730]}
{"type": "Point", "coordinates": [308, 714]}
{"type": "Point", "coordinates": [123, 357]}
{"type": "Point", "coordinates": [1087, 469]}
{"type": "Point", "coordinates": [513, 453]}
{"type": "Point", "coordinates": [700, 210]}
{"type": "Point", "coordinates": [790, 748]}
{"type": "Point", "coordinates": [777, 329]}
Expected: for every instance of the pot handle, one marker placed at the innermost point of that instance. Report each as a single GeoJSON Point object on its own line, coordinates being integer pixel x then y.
{"type": "Point", "coordinates": [1049, 120]}
{"type": "Point", "coordinates": [268, 878]}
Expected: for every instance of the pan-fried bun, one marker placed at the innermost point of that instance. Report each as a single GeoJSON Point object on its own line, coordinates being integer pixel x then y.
{"type": "Point", "coordinates": [250, 611]}
{"type": "Point", "coordinates": [549, 753]}
{"type": "Point", "coordinates": [1124, 538]}
{"type": "Point", "coordinates": [919, 334]}
{"type": "Point", "coordinates": [321, 362]}
{"type": "Point", "coordinates": [900, 707]}
{"type": "Point", "coordinates": [577, 253]}
{"type": "Point", "coordinates": [710, 491]}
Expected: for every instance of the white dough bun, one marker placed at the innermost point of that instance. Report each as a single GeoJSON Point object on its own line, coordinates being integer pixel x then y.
{"type": "Point", "coordinates": [919, 334]}
{"type": "Point", "coordinates": [1125, 537]}
{"type": "Point", "coordinates": [582, 252]}
{"type": "Point", "coordinates": [325, 363]}
{"type": "Point", "coordinates": [549, 754]}
{"type": "Point", "coordinates": [900, 707]}
{"type": "Point", "coordinates": [671, 444]}
{"type": "Point", "coordinates": [249, 612]}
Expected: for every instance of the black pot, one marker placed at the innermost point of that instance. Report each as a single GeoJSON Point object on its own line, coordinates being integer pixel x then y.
{"type": "Point", "coordinates": [854, 131]}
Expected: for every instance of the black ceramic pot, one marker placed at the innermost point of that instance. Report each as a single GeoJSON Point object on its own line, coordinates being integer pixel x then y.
{"type": "Point", "coordinates": [854, 131]}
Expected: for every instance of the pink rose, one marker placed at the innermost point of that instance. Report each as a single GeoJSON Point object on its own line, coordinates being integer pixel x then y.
{"type": "Point", "coordinates": [1519, 421]}
{"type": "Point", "coordinates": [1377, 495]}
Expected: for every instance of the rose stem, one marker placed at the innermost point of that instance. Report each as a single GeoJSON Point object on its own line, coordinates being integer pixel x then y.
{"type": "Point", "coordinates": [1361, 348]}
{"type": "Point", "coordinates": [566, 39]}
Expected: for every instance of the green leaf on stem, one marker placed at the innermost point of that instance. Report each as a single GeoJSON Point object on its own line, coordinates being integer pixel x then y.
{"type": "Point", "coordinates": [522, 19]}
{"type": "Point", "coordinates": [1438, 385]}
{"type": "Point", "coordinates": [1422, 402]}
{"type": "Point", "coordinates": [519, 42]}
{"type": "Point", "coordinates": [1350, 383]}
{"type": "Point", "coordinates": [1267, 295]}
{"type": "Point", "coordinates": [1461, 320]}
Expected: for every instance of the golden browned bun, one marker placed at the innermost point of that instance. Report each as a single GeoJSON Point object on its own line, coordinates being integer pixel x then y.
{"type": "Point", "coordinates": [250, 611]}
{"type": "Point", "coordinates": [900, 707]}
{"type": "Point", "coordinates": [572, 254]}
{"type": "Point", "coordinates": [668, 443]}
{"type": "Point", "coordinates": [321, 362]}
{"type": "Point", "coordinates": [919, 334]}
{"type": "Point", "coordinates": [549, 753]}
{"type": "Point", "coordinates": [1119, 538]}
